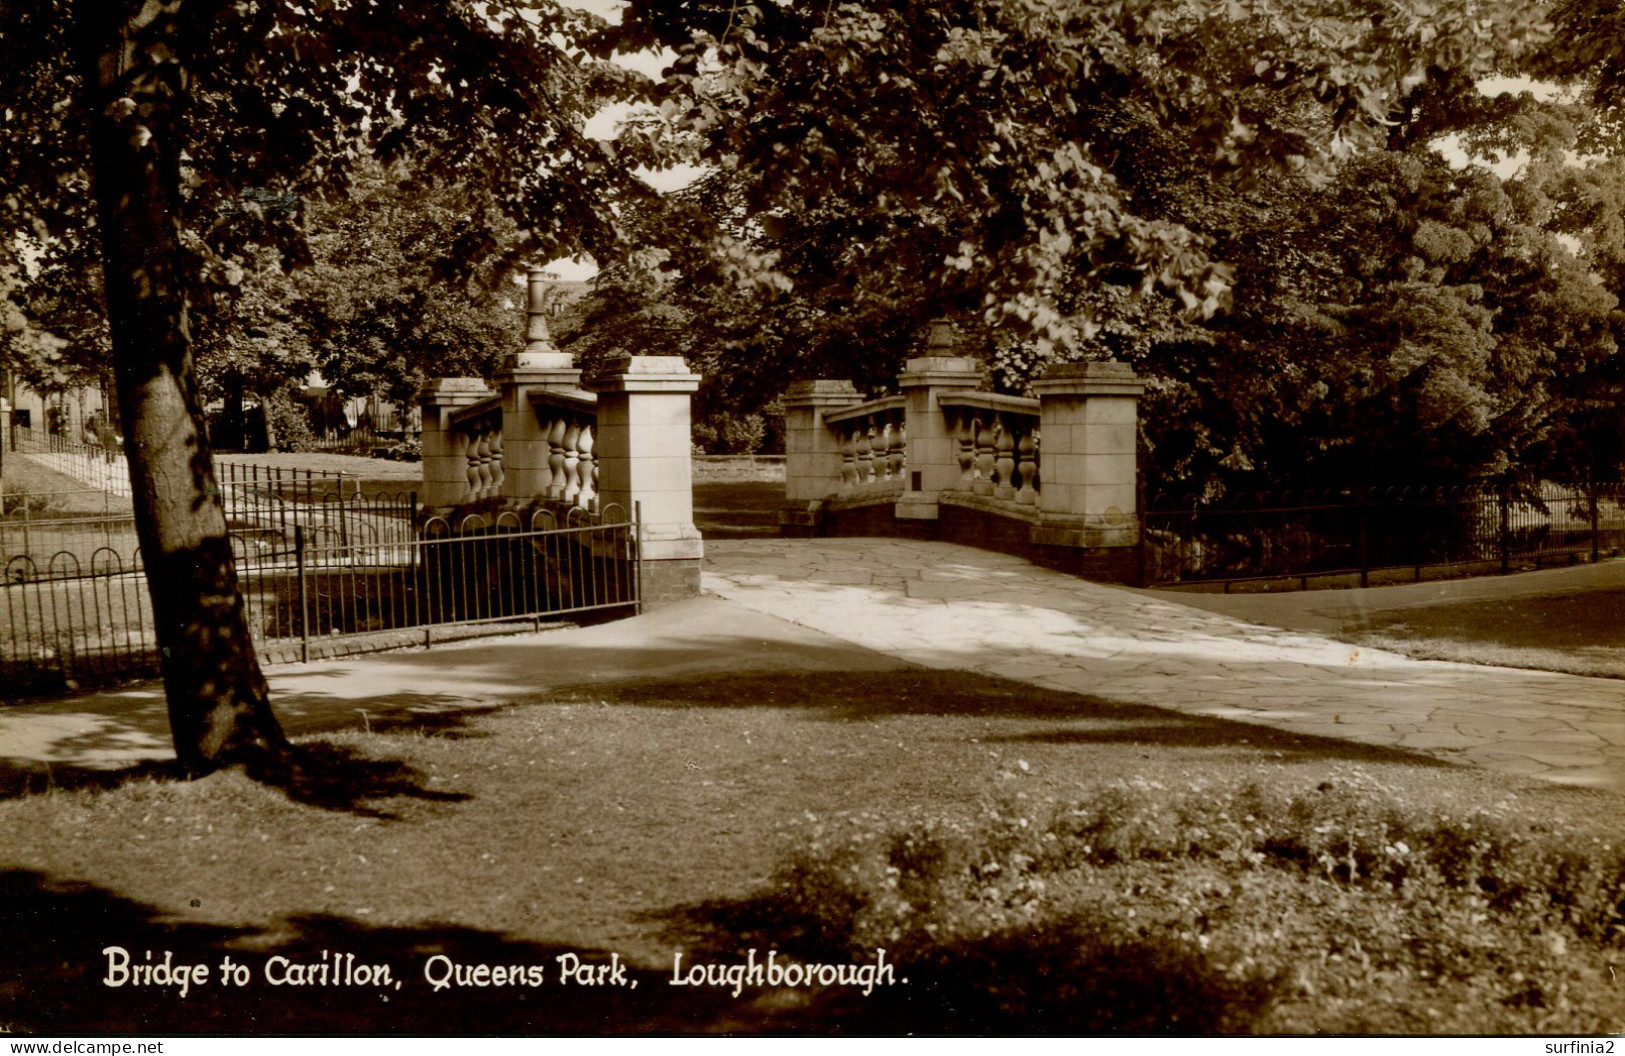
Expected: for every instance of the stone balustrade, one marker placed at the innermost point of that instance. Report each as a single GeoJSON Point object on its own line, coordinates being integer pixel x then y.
{"type": "Point", "coordinates": [873, 442]}
{"type": "Point", "coordinates": [476, 432]}
{"type": "Point", "coordinates": [569, 421]}
{"type": "Point", "coordinates": [540, 439]}
{"type": "Point", "coordinates": [996, 444]}
{"type": "Point", "coordinates": [1053, 477]}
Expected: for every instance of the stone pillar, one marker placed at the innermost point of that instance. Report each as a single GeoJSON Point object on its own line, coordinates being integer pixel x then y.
{"type": "Point", "coordinates": [541, 366]}
{"type": "Point", "coordinates": [644, 458]}
{"type": "Point", "coordinates": [812, 454]}
{"type": "Point", "coordinates": [445, 455]}
{"type": "Point", "coordinates": [933, 463]}
{"type": "Point", "coordinates": [1089, 424]}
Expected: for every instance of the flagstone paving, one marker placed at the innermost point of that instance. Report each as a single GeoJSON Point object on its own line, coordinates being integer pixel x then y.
{"type": "Point", "coordinates": [955, 607]}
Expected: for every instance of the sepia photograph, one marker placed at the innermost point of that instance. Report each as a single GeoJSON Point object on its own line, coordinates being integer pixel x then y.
{"type": "Point", "coordinates": [696, 518]}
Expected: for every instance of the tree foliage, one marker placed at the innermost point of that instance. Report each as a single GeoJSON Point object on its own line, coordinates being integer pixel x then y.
{"type": "Point", "coordinates": [174, 131]}
{"type": "Point", "coordinates": [964, 149]}
{"type": "Point", "coordinates": [1245, 200]}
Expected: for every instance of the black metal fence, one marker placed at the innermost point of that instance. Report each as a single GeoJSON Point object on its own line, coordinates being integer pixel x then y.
{"type": "Point", "coordinates": [1354, 533]}
{"type": "Point", "coordinates": [320, 591]}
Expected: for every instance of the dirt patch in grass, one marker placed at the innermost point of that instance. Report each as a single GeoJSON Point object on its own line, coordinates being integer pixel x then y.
{"type": "Point", "coordinates": [1576, 633]}
{"type": "Point", "coordinates": [629, 823]}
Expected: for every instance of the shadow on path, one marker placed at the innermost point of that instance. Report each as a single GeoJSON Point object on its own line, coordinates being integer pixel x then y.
{"type": "Point", "coordinates": [1088, 719]}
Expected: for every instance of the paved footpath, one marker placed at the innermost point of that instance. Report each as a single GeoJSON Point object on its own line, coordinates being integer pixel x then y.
{"type": "Point", "coordinates": [947, 606]}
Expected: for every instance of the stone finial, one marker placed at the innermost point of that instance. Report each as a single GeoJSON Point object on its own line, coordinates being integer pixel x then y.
{"type": "Point", "coordinates": [941, 342]}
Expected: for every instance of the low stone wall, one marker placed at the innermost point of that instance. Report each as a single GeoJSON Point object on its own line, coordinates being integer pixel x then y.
{"type": "Point", "coordinates": [970, 523]}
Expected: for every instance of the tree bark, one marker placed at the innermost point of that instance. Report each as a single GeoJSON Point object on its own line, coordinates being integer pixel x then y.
{"type": "Point", "coordinates": [133, 65]}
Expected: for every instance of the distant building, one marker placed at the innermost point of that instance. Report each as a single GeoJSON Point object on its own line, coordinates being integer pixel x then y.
{"type": "Point", "coordinates": [73, 412]}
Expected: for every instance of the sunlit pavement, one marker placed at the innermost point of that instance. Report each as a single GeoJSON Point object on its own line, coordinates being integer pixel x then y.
{"type": "Point", "coordinates": [948, 606]}
{"type": "Point", "coordinates": [872, 604]}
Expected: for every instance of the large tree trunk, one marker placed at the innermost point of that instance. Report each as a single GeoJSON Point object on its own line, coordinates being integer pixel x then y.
{"type": "Point", "coordinates": [133, 65]}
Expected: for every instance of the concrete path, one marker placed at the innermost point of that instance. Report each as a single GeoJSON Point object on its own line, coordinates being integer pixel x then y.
{"type": "Point", "coordinates": [874, 604]}
{"type": "Point", "coordinates": [947, 606]}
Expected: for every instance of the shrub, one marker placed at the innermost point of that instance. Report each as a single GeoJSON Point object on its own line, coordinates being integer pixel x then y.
{"type": "Point", "coordinates": [1332, 908]}
{"type": "Point", "coordinates": [407, 450]}
{"type": "Point", "coordinates": [729, 434]}
{"type": "Point", "coordinates": [16, 497]}
{"type": "Point", "coordinates": [288, 423]}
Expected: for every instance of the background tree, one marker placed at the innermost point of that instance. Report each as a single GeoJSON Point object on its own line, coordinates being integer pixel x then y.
{"type": "Point", "coordinates": [409, 279]}
{"type": "Point", "coordinates": [1095, 180]}
{"type": "Point", "coordinates": [145, 121]}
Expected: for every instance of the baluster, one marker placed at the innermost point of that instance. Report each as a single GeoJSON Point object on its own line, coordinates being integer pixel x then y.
{"type": "Point", "coordinates": [849, 457]}
{"type": "Point", "coordinates": [459, 449]}
{"type": "Point", "coordinates": [865, 454]}
{"type": "Point", "coordinates": [984, 458]}
{"type": "Point", "coordinates": [898, 451]}
{"type": "Point", "coordinates": [1005, 464]}
{"type": "Point", "coordinates": [499, 472]}
{"type": "Point", "coordinates": [572, 462]}
{"type": "Point", "coordinates": [486, 474]}
{"type": "Point", "coordinates": [1027, 451]}
{"type": "Point", "coordinates": [965, 449]}
{"type": "Point", "coordinates": [555, 456]}
{"type": "Point", "coordinates": [472, 453]}
{"type": "Point", "coordinates": [588, 468]}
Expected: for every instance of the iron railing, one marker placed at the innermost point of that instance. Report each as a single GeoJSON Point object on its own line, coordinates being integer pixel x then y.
{"type": "Point", "coordinates": [1355, 532]}
{"type": "Point", "coordinates": [318, 592]}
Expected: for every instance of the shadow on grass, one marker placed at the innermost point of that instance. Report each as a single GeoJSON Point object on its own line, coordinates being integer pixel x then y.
{"type": "Point", "coordinates": [315, 773]}
{"type": "Point", "coordinates": [1153, 730]}
{"type": "Point", "coordinates": [53, 975]}
{"type": "Point", "coordinates": [1079, 975]}
{"type": "Point", "coordinates": [1074, 977]}
{"type": "Point", "coordinates": [333, 777]}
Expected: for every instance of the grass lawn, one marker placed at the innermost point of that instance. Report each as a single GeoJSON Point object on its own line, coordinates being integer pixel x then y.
{"type": "Point", "coordinates": [326, 462]}
{"type": "Point", "coordinates": [1578, 633]}
{"type": "Point", "coordinates": [1031, 860]}
{"type": "Point", "coordinates": [61, 494]}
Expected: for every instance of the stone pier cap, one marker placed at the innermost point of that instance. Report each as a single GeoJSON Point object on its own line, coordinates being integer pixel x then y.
{"type": "Point", "coordinates": [1095, 378]}
{"type": "Point", "coordinates": [645, 374]}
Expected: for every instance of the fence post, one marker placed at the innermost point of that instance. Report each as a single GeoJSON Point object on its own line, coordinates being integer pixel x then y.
{"type": "Point", "coordinates": [1596, 541]}
{"type": "Point", "coordinates": [426, 598]}
{"type": "Point", "coordinates": [637, 552]}
{"type": "Point", "coordinates": [1143, 549]}
{"type": "Point", "coordinates": [1364, 529]}
{"type": "Point", "coordinates": [304, 611]}
{"type": "Point", "coordinates": [1504, 498]}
